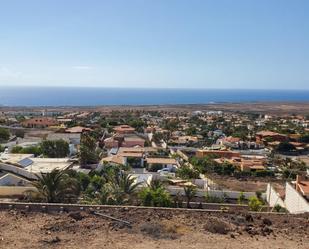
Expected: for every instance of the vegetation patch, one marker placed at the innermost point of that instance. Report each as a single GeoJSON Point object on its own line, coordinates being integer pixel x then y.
{"type": "Point", "coordinates": [163, 230]}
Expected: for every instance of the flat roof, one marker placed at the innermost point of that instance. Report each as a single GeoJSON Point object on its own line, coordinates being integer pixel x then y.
{"type": "Point", "coordinates": [161, 160]}
{"type": "Point", "coordinates": [14, 158]}
{"type": "Point", "coordinates": [45, 165]}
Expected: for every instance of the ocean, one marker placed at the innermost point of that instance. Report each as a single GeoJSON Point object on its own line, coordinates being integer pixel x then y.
{"type": "Point", "coordinates": [82, 96]}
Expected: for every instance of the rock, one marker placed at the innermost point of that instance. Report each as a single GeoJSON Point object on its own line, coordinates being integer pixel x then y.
{"type": "Point", "coordinates": [267, 222]}
{"type": "Point", "coordinates": [267, 230]}
{"type": "Point", "coordinates": [249, 218]}
{"type": "Point", "coordinates": [76, 215]}
{"type": "Point", "coordinates": [53, 240]}
{"type": "Point", "coordinates": [240, 220]}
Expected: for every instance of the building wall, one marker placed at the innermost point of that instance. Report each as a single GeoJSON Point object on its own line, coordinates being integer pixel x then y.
{"type": "Point", "coordinates": [294, 201]}
{"type": "Point", "coordinates": [273, 198]}
{"type": "Point", "coordinates": [133, 143]}
{"type": "Point", "coordinates": [7, 191]}
{"type": "Point", "coordinates": [217, 193]}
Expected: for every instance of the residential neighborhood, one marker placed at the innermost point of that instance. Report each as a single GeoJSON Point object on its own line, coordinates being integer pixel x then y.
{"type": "Point", "coordinates": [229, 158]}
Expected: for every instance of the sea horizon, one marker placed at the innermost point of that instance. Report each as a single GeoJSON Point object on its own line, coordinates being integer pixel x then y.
{"type": "Point", "coordinates": [35, 96]}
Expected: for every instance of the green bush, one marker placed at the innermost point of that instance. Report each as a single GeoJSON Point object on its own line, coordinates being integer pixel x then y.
{"type": "Point", "coordinates": [241, 198]}
{"type": "Point", "coordinates": [4, 135]}
{"type": "Point", "coordinates": [55, 148]}
{"type": "Point", "coordinates": [255, 204]}
{"type": "Point", "coordinates": [155, 197]}
{"type": "Point", "coordinates": [185, 172]}
{"type": "Point", "coordinates": [36, 150]}
{"type": "Point", "coordinates": [279, 209]}
{"type": "Point", "coordinates": [213, 199]}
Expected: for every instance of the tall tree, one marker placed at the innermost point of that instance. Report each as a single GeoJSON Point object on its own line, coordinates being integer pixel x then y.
{"type": "Point", "coordinates": [4, 135]}
{"type": "Point", "coordinates": [55, 148]}
{"type": "Point", "coordinates": [88, 154]}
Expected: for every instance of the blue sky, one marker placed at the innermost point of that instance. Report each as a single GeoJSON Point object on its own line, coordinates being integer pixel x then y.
{"type": "Point", "coordinates": [155, 43]}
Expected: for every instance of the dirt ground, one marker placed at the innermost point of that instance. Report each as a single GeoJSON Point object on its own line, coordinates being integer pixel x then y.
{"type": "Point", "coordinates": [247, 184]}
{"type": "Point", "coordinates": [152, 229]}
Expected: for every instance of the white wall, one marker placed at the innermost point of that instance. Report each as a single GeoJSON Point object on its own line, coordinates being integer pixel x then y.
{"type": "Point", "coordinates": [217, 193]}
{"type": "Point", "coordinates": [273, 198]}
{"type": "Point", "coordinates": [294, 201]}
{"type": "Point", "coordinates": [6, 191]}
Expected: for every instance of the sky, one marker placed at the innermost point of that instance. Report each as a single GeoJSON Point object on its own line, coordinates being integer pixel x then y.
{"type": "Point", "coordinates": [251, 44]}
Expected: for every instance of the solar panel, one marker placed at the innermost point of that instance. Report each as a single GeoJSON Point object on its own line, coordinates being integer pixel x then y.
{"type": "Point", "coordinates": [25, 162]}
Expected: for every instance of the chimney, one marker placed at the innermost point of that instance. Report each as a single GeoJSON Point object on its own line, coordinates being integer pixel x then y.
{"type": "Point", "coordinates": [298, 179]}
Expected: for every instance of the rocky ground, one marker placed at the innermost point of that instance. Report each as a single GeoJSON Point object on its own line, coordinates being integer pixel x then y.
{"type": "Point", "coordinates": [152, 229]}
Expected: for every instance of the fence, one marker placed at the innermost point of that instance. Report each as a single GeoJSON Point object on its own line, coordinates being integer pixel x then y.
{"type": "Point", "coordinates": [215, 193]}
{"type": "Point", "coordinates": [57, 207]}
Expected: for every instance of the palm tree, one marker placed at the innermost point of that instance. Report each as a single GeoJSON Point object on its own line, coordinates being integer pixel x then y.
{"type": "Point", "coordinates": [155, 184]}
{"type": "Point", "coordinates": [119, 189]}
{"type": "Point", "coordinates": [127, 183]}
{"type": "Point", "coordinates": [190, 192]}
{"type": "Point", "coordinates": [56, 186]}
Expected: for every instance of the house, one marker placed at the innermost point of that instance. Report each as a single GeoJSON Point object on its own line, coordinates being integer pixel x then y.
{"type": "Point", "coordinates": [294, 196]}
{"type": "Point", "coordinates": [10, 179]}
{"type": "Point", "coordinates": [77, 129]}
{"type": "Point", "coordinates": [271, 136]}
{"type": "Point", "coordinates": [113, 160]}
{"type": "Point", "coordinates": [111, 142]}
{"type": "Point", "coordinates": [46, 165]}
{"type": "Point", "coordinates": [251, 164]}
{"type": "Point", "coordinates": [26, 165]}
{"type": "Point", "coordinates": [163, 162]}
{"type": "Point", "coordinates": [133, 141]}
{"type": "Point", "coordinates": [12, 185]}
{"type": "Point", "coordinates": [124, 140]}
{"type": "Point", "coordinates": [124, 129]}
{"type": "Point", "coordinates": [39, 122]}
{"type": "Point", "coordinates": [302, 186]}
{"type": "Point", "coordinates": [244, 164]}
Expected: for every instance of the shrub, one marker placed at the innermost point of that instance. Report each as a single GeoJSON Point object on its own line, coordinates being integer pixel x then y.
{"type": "Point", "coordinates": [279, 209]}
{"type": "Point", "coordinates": [213, 199]}
{"type": "Point", "coordinates": [185, 172]}
{"type": "Point", "coordinates": [241, 198]}
{"type": "Point", "coordinates": [54, 149]}
{"type": "Point", "coordinates": [16, 149]}
{"type": "Point", "coordinates": [255, 204]}
{"type": "Point", "coordinates": [4, 134]}
{"type": "Point", "coordinates": [158, 197]}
